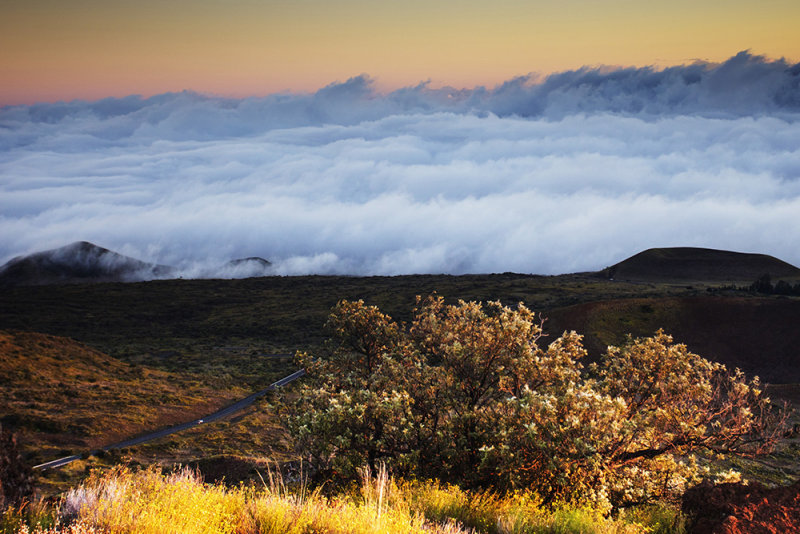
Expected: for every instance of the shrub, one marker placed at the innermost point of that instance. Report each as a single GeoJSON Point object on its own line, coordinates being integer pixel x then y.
{"type": "Point", "coordinates": [466, 394]}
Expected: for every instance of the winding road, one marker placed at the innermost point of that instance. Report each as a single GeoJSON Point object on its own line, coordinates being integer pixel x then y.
{"type": "Point", "coordinates": [228, 410]}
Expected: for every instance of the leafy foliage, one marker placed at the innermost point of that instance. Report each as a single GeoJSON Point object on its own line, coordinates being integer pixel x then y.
{"type": "Point", "coordinates": [466, 393]}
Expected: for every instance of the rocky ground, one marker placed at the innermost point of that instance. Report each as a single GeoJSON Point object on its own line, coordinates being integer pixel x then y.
{"type": "Point", "coordinates": [743, 509]}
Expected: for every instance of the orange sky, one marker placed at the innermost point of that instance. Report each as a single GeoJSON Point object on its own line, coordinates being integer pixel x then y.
{"type": "Point", "coordinates": [65, 49]}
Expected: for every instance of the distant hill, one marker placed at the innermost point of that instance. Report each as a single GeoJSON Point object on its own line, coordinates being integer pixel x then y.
{"type": "Point", "coordinates": [686, 264]}
{"type": "Point", "coordinates": [253, 260]}
{"type": "Point", "coordinates": [83, 262]}
{"type": "Point", "coordinates": [244, 268]}
{"type": "Point", "coordinates": [79, 262]}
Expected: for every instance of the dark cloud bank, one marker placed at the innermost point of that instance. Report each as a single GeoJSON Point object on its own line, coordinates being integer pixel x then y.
{"type": "Point", "coordinates": [571, 172]}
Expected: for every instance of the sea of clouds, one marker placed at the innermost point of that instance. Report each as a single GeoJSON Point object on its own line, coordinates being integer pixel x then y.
{"type": "Point", "coordinates": [570, 172]}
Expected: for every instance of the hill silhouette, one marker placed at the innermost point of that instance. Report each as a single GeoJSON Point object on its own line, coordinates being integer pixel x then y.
{"type": "Point", "coordinates": [79, 262]}
{"type": "Point", "coordinates": [255, 260]}
{"type": "Point", "coordinates": [244, 268]}
{"type": "Point", "coordinates": [683, 264]}
{"type": "Point", "coordinates": [83, 263]}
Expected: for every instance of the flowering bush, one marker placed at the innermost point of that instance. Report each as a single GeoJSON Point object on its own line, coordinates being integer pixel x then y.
{"type": "Point", "coordinates": [465, 393]}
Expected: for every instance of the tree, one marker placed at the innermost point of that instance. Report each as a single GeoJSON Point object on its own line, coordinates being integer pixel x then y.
{"type": "Point", "coordinates": [763, 284]}
{"type": "Point", "coordinates": [475, 358]}
{"type": "Point", "coordinates": [354, 413]}
{"type": "Point", "coordinates": [782, 287]}
{"type": "Point", "coordinates": [466, 393]}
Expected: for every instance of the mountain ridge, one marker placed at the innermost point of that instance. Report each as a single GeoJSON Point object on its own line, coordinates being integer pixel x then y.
{"type": "Point", "coordinates": [78, 262]}
{"type": "Point", "coordinates": [85, 262]}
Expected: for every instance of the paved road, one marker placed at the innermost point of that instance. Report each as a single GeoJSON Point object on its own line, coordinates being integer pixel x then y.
{"type": "Point", "coordinates": [232, 408]}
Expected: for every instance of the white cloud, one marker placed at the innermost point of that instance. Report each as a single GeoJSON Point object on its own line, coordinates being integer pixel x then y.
{"type": "Point", "coordinates": [572, 174]}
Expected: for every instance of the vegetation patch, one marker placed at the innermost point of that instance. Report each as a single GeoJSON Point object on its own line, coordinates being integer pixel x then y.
{"type": "Point", "coordinates": [62, 397]}
{"type": "Point", "coordinates": [465, 393]}
{"type": "Point", "coordinates": [146, 355]}
{"type": "Point", "coordinates": [149, 501]}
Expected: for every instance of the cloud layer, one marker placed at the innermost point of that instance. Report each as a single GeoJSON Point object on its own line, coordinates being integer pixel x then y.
{"type": "Point", "coordinates": [572, 172]}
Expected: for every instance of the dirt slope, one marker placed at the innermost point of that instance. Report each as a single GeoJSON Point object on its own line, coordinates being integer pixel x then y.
{"type": "Point", "coordinates": [758, 335]}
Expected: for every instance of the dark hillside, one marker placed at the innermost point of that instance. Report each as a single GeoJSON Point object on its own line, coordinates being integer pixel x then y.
{"type": "Point", "coordinates": [686, 264]}
{"type": "Point", "coordinates": [270, 314]}
{"type": "Point", "coordinates": [225, 327]}
{"type": "Point", "coordinates": [79, 262]}
{"type": "Point", "coordinates": [758, 335]}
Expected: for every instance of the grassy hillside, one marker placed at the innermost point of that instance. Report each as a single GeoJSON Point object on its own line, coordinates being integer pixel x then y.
{"type": "Point", "coordinates": [231, 328]}
{"type": "Point", "coordinates": [200, 324]}
{"type": "Point", "coordinates": [62, 396]}
{"type": "Point", "coordinates": [120, 359]}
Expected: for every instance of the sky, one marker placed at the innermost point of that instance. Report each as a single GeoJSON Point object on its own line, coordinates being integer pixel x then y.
{"type": "Point", "coordinates": [54, 50]}
{"type": "Point", "coordinates": [383, 138]}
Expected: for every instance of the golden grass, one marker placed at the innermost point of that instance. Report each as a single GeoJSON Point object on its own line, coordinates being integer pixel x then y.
{"type": "Point", "coordinates": [62, 397]}
{"type": "Point", "coordinates": [63, 394]}
{"type": "Point", "coordinates": [151, 502]}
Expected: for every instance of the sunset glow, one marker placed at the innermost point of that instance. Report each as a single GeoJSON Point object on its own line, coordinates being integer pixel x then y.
{"type": "Point", "coordinates": [380, 138]}
{"type": "Point", "coordinates": [84, 49]}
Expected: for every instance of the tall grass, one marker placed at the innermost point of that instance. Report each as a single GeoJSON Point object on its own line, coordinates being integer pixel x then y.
{"type": "Point", "coordinates": [150, 502]}
{"type": "Point", "coordinates": [35, 515]}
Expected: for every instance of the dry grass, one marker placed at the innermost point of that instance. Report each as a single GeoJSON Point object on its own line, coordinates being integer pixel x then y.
{"type": "Point", "coordinates": [150, 502]}
{"type": "Point", "coordinates": [64, 397]}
